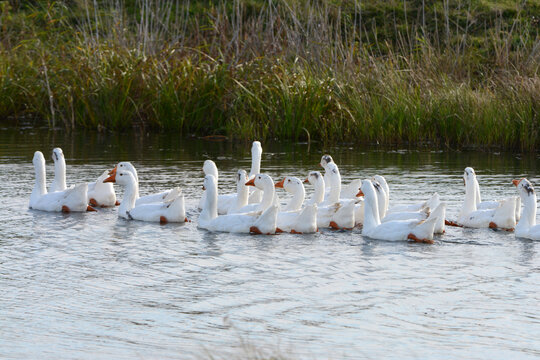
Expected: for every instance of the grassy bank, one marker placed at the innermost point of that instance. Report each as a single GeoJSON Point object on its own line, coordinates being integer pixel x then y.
{"type": "Point", "coordinates": [448, 73]}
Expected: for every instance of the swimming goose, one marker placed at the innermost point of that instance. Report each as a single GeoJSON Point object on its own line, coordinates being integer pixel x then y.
{"type": "Point", "coordinates": [406, 213]}
{"type": "Point", "coordinates": [429, 204]}
{"type": "Point", "coordinates": [172, 209]}
{"type": "Point", "coordinates": [347, 192]}
{"type": "Point", "coordinates": [339, 215]}
{"type": "Point", "coordinates": [266, 184]}
{"type": "Point", "coordinates": [256, 156]}
{"type": "Point", "coordinates": [234, 223]}
{"type": "Point", "coordinates": [99, 194]}
{"type": "Point", "coordinates": [526, 227]}
{"type": "Point", "coordinates": [493, 204]}
{"type": "Point", "coordinates": [501, 217]}
{"type": "Point", "coordinates": [147, 199]}
{"type": "Point", "coordinates": [225, 201]}
{"type": "Point", "coordinates": [242, 192]}
{"type": "Point", "coordinates": [293, 186]}
{"type": "Point", "coordinates": [59, 181]}
{"type": "Point", "coordinates": [295, 219]}
{"type": "Point", "coordinates": [419, 231]}
{"type": "Point", "coordinates": [72, 199]}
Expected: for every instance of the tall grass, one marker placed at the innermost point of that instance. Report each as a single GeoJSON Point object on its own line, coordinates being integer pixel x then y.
{"type": "Point", "coordinates": [448, 74]}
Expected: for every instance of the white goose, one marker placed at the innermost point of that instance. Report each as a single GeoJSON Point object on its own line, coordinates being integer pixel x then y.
{"type": "Point", "coordinates": [235, 223]}
{"type": "Point", "coordinates": [227, 201]}
{"type": "Point", "coordinates": [147, 199]}
{"type": "Point", "coordinates": [501, 217]}
{"type": "Point", "coordinates": [390, 215]}
{"type": "Point", "coordinates": [339, 215]}
{"type": "Point", "coordinates": [295, 219]}
{"type": "Point", "coordinates": [480, 205]}
{"type": "Point", "coordinates": [419, 207]}
{"type": "Point", "coordinates": [256, 156]}
{"type": "Point", "coordinates": [172, 210]}
{"type": "Point", "coordinates": [526, 227]}
{"type": "Point", "coordinates": [264, 183]}
{"type": "Point", "coordinates": [419, 231]}
{"type": "Point", "coordinates": [242, 192]}
{"type": "Point", "coordinates": [293, 186]}
{"type": "Point", "coordinates": [346, 192]}
{"type": "Point", "coordinates": [59, 181]}
{"type": "Point", "coordinates": [72, 199]}
{"type": "Point", "coordinates": [99, 193]}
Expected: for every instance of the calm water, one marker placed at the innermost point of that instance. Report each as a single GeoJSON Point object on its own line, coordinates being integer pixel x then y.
{"type": "Point", "coordinates": [92, 286]}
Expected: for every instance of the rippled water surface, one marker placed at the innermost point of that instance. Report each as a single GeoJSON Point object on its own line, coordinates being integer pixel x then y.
{"type": "Point", "coordinates": [92, 286]}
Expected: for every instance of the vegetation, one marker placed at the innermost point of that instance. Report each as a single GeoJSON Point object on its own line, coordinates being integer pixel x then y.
{"type": "Point", "coordinates": [448, 73]}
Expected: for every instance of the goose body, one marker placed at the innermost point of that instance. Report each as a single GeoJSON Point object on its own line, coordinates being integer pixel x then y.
{"type": "Point", "coordinates": [264, 183]}
{"type": "Point", "coordinates": [421, 231]}
{"type": "Point", "coordinates": [147, 199]}
{"type": "Point", "coordinates": [340, 214]}
{"type": "Point", "coordinates": [227, 202]}
{"type": "Point", "coordinates": [72, 199]}
{"type": "Point", "coordinates": [172, 210]}
{"type": "Point", "coordinates": [418, 211]}
{"type": "Point", "coordinates": [527, 227]}
{"type": "Point", "coordinates": [234, 223]}
{"type": "Point", "coordinates": [493, 204]}
{"type": "Point", "coordinates": [295, 219]}
{"type": "Point", "coordinates": [501, 217]}
{"type": "Point", "coordinates": [99, 193]}
{"type": "Point", "coordinates": [348, 191]}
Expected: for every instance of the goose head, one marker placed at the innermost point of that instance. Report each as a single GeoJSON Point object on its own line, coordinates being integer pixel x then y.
{"type": "Point", "coordinates": [325, 160]}
{"type": "Point", "coordinates": [468, 176]}
{"type": "Point", "coordinates": [261, 182]}
{"type": "Point", "coordinates": [122, 177]}
{"type": "Point", "coordinates": [57, 155]}
{"type": "Point", "coordinates": [241, 179]}
{"type": "Point", "coordinates": [524, 187]}
{"type": "Point", "coordinates": [367, 189]}
{"type": "Point", "coordinates": [291, 184]}
{"type": "Point", "coordinates": [256, 149]}
{"type": "Point", "coordinates": [39, 159]}
{"type": "Point", "coordinates": [256, 153]}
{"type": "Point", "coordinates": [210, 168]}
{"type": "Point", "coordinates": [314, 177]}
{"type": "Point", "coordinates": [126, 166]}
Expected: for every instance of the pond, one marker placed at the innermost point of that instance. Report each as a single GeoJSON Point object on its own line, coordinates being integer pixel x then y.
{"type": "Point", "coordinates": [93, 286]}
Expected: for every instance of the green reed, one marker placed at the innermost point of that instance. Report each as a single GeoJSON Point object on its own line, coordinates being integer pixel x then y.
{"type": "Point", "coordinates": [389, 72]}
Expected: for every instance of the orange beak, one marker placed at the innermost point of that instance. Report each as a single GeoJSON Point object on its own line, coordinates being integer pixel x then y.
{"type": "Point", "coordinates": [280, 184]}
{"type": "Point", "coordinates": [306, 181]}
{"type": "Point", "coordinates": [360, 193]}
{"type": "Point", "coordinates": [113, 171]}
{"type": "Point", "coordinates": [515, 182]}
{"type": "Point", "coordinates": [111, 178]}
{"type": "Point", "coordinates": [251, 182]}
{"type": "Point", "coordinates": [321, 165]}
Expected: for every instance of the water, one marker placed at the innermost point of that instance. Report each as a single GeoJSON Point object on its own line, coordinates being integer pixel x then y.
{"type": "Point", "coordinates": [92, 286]}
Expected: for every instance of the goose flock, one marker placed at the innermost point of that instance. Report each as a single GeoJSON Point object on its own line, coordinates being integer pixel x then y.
{"type": "Point", "coordinates": [255, 206]}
